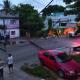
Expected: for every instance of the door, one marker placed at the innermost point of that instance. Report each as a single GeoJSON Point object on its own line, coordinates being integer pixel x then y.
{"type": "Point", "coordinates": [52, 63]}
{"type": "Point", "coordinates": [46, 59]}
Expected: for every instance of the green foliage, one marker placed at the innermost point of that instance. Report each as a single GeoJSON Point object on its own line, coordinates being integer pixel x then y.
{"type": "Point", "coordinates": [50, 22]}
{"type": "Point", "coordinates": [29, 18]}
{"type": "Point", "coordinates": [52, 9]}
{"type": "Point", "coordinates": [71, 12]}
{"type": "Point", "coordinates": [1, 27]}
{"type": "Point", "coordinates": [39, 71]}
{"type": "Point", "coordinates": [67, 1]}
{"type": "Point", "coordinates": [75, 8]}
{"type": "Point", "coordinates": [23, 32]}
{"type": "Point", "coordinates": [49, 25]}
{"type": "Point", "coordinates": [76, 57]}
{"type": "Point", "coordinates": [7, 6]}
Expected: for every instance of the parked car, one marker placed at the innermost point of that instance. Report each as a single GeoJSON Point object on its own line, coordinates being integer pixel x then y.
{"type": "Point", "coordinates": [60, 62]}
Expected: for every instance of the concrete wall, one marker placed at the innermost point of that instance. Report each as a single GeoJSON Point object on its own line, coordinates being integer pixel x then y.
{"type": "Point", "coordinates": [17, 33]}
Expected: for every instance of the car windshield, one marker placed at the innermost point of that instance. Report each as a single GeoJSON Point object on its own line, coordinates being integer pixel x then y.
{"type": "Point", "coordinates": [63, 58]}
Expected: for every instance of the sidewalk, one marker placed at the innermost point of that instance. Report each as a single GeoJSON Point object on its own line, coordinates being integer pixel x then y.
{"type": "Point", "coordinates": [17, 75]}
{"type": "Point", "coordinates": [14, 43]}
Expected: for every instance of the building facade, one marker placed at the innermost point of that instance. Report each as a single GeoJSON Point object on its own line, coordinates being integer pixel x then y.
{"type": "Point", "coordinates": [9, 24]}
{"type": "Point", "coordinates": [59, 20]}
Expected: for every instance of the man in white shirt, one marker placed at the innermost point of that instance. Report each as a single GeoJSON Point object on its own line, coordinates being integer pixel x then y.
{"type": "Point", "coordinates": [10, 63]}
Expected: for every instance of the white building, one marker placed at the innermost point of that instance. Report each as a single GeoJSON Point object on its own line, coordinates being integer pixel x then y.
{"type": "Point", "coordinates": [61, 21]}
{"type": "Point", "coordinates": [10, 24]}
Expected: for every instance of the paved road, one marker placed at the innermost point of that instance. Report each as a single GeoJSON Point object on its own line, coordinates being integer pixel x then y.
{"type": "Point", "coordinates": [27, 52]}
{"type": "Point", "coordinates": [57, 43]}
{"type": "Point", "coordinates": [22, 53]}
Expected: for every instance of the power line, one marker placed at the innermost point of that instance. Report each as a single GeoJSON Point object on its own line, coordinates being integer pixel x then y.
{"type": "Point", "coordinates": [46, 6]}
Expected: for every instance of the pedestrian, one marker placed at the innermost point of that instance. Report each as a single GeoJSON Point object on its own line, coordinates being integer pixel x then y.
{"type": "Point", "coordinates": [5, 41]}
{"type": "Point", "coordinates": [10, 63]}
{"type": "Point", "coordinates": [1, 73]}
{"type": "Point", "coordinates": [1, 70]}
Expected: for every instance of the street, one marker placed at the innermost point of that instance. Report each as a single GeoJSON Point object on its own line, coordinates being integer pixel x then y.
{"type": "Point", "coordinates": [21, 53]}
{"type": "Point", "coordinates": [27, 53]}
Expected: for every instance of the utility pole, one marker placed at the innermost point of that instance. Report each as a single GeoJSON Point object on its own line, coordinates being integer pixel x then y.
{"type": "Point", "coordinates": [4, 33]}
{"type": "Point", "coordinates": [4, 26]}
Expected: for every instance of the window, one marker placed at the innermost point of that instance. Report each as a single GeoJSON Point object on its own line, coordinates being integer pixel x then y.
{"type": "Point", "coordinates": [63, 57]}
{"type": "Point", "coordinates": [12, 32]}
{"type": "Point", "coordinates": [46, 54]}
{"type": "Point", "coordinates": [52, 58]}
{"type": "Point", "coordinates": [63, 24]}
{"type": "Point", "coordinates": [12, 21]}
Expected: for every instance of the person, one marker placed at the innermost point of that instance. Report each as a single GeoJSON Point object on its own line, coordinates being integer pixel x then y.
{"type": "Point", "coordinates": [1, 70]}
{"type": "Point", "coordinates": [10, 63]}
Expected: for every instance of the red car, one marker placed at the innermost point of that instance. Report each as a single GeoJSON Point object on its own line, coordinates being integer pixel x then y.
{"type": "Point", "coordinates": [60, 62]}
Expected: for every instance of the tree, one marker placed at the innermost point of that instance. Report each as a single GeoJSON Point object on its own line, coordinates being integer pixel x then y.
{"type": "Point", "coordinates": [49, 24]}
{"type": "Point", "coordinates": [68, 1]}
{"type": "Point", "coordinates": [30, 21]}
{"type": "Point", "coordinates": [6, 6]}
{"type": "Point", "coordinates": [52, 9]}
{"type": "Point", "coordinates": [75, 8]}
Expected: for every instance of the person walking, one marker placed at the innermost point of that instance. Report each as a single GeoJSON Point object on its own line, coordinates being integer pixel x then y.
{"type": "Point", "coordinates": [10, 63]}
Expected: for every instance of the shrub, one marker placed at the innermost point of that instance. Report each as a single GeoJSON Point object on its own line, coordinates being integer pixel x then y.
{"type": "Point", "coordinates": [39, 71]}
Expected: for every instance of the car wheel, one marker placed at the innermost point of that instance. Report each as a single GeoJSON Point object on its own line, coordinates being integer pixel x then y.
{"type": "Point", "coordinates": [61, 74]}
{"type": "Point", "coordinates": [41, 61]}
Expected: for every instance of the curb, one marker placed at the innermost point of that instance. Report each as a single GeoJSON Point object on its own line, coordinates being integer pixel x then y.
{"type": "Point", "coordinates": [33, 43]}
{"type": "Point", "coordinates": [3, 49]}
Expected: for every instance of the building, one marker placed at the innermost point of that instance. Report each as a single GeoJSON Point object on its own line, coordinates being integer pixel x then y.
{"type": "Point", "coordinates": [59, 20]}
{"type": "Point", "coordinates": [9, 24]}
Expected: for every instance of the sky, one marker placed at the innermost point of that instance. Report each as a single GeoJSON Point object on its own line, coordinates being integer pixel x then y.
{"type": "Point", "coordinates": [38, 4]}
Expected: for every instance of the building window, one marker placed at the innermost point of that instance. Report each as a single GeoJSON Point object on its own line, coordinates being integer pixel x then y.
{"type": "Point", "coordinates": [63, 24]}
{"type": "Point", "coordinates": [12, 21]}
{"type": "Point", "coordinates": [12, 32]}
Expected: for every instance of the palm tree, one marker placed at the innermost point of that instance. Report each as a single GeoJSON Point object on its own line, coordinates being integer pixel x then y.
{"type": "Point", "coordinates": [6, 6]}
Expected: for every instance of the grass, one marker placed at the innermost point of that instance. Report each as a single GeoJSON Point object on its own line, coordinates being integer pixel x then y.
{"type": "Point", "coordinates": [76, 57]}
{"type": "Point", "coordinates": [39, 71]}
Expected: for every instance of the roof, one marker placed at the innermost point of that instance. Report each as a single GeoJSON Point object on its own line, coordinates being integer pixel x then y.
{"type": "Point", "coordinates": [8, 15]}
